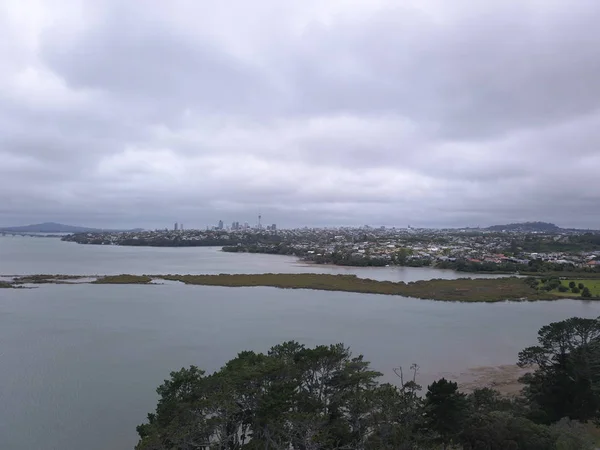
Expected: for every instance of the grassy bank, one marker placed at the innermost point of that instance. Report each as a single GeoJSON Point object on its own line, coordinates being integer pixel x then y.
{"type": "Point", "coordinates": [44, 278]}
{"type": "Point", "coordinates": [123, 279]}
{"type": "Point", "coordinates": [5, 285]}
{"type": "Point", "coordinates": [570, 275]}
{"type": "Point", "coordinates": [465, 290]}
{"type": "Point", "coordinates": [592, 284]}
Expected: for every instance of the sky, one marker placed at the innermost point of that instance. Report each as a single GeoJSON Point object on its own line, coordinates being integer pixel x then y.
{"type": "Point", "coordinates": [431, 113]}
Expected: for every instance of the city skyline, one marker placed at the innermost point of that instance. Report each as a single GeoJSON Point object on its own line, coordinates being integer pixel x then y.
{"type": "Point", "coordinates": [221, 225]}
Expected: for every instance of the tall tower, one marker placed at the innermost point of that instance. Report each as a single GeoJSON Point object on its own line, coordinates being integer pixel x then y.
{"type": "Point", "coordinates": [259, 219]}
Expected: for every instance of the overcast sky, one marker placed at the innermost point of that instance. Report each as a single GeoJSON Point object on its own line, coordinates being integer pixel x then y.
{"type": "Point", "coordinates": [313, 112]}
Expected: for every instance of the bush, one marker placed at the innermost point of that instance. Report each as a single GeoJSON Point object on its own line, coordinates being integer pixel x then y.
{"type": "Point", "coordinates": [553, 284]}
{"type": "Point", "coordinates": [532, 281]}
{"type": "Point", "coordinates": [575, 290]}
{"type": "Point", "coordinates": [562, 288]}
{"type": "Point", "coordinates": [572, 284]}
{"type": "Point", "coordinates": [586, 293]}
{"type": "Point", "coordinates": [571, 435]}
{"type": "Point", "coordinates": [580, 286]}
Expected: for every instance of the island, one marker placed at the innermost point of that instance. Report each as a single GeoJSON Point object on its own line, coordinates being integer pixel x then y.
{"type": "Point", "coordinates": [460, 290]}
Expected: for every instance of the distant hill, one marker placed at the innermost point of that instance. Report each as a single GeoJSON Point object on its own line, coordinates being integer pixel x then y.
{"type": "Point", "coordinates": [51, 227]}
{"type": "Point", "coordinates": [542, 227]}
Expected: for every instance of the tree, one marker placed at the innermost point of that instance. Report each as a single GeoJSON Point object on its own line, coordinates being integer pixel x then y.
{"type": "Point", "coordinates": [324, 398]}
{"type": "Point", "coordinates": [580, 286]}
{"type": "Point", "coordinates": [502, 430]}
{"type": "Point", "coordinates": [397, 419]}
{"type": "Point", "coordinates": [586, 293]}
{"type": "Point", "coordinates": [402, 256]}
{"type": "Point", "coordinates": [176, 423]}
{"type": "Point", "coordinates": [572, 284]}
{"type": "Point", "coordinates": [566, 380]}
{"type": "Point", "coordinates": [293, 397]}
{"type": "Point", "coordinates": [563, 288]}
{"type": "Point", "coordinates": [445, 411]}
{"type": "Point", "coordinates": [571, 435]}
{"type": "Point", "coordinates": [552, 283]}
{"type": "Point", "coordinates": [575, 290]}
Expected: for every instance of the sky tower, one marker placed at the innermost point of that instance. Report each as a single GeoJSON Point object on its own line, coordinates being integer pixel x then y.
{"type": "Point", "coordinates": [259, 219]}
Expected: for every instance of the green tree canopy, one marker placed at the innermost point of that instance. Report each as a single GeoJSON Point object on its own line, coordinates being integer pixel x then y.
{"type": "Point", "coordinates": [567, 358]}
{"type": "Point", "coordinates": [445, 411]}
{"type": "Point", "coordinates": [324, 398]}
{"type": "Point", "coordinates": [293, 397]}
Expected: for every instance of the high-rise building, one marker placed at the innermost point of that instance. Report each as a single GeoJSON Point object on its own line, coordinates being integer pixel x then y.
{"type": "Point", "coordinates": [175, 227]}
{"type": "Point", "coordinates": [220, 226]}
{"type": "Point", "coordinates": [181, 226]}
{"type": "Point", "coordinates": [274, 227]}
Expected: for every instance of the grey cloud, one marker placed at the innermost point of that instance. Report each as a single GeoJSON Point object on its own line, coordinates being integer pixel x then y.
{"type": "Point", "coordinates": [140, 115]}
{"type": "Point", "coordinates": [486, 73]}
{"type": "Point", "coordinates": [155, 69]}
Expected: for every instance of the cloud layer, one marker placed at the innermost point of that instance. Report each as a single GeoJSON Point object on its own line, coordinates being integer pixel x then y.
{"type": "Point", "coordinates": [310, 112]}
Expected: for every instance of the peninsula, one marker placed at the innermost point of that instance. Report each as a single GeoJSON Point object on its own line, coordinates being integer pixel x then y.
{"type": "Point", "coordinates": [461, 290]}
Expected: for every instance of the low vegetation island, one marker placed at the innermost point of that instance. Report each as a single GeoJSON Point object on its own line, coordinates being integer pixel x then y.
{"type": "Point", "coordinates": [463, 290]}
{"type": "Point", "coordinates": [123, 279]}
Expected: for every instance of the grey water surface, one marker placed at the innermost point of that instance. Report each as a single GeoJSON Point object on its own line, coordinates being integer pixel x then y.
{"type": "Point", "coordinates": [79, 364]}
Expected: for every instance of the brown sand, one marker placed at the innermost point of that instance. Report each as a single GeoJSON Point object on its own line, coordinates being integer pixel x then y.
{"type": "Point", "coordinates": [504, 379]}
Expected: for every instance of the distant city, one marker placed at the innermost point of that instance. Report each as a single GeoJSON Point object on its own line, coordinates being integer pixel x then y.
{"type": "Point", "coordinates": [235, 226]}
{"type": "Point", "coordinates": [530, 247]}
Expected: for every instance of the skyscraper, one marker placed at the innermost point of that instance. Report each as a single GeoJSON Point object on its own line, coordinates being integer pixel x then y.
{"type": "Point", "coordinates": [175, 227]}
{"type": "Point", "coordinates": [220, 227]}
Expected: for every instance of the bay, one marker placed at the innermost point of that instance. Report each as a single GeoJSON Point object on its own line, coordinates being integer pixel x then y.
{"type": "Point", "coordinates": [79, 364]}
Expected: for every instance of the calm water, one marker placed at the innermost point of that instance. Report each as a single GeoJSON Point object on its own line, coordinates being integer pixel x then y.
{"type": "Point", "coordinates": [80, 363]}
{"type": "Point", "coordinates": [26, 255]}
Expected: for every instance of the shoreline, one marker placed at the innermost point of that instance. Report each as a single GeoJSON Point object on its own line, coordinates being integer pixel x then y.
{"type": "Point", "coordinates": [472, 290]}
{"type": "Point", "coordinates": [503, 378]}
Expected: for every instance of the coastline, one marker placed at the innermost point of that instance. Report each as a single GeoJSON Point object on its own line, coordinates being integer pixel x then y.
{"type": "Point", "coordinates": [503, 378]}
{"type": "Point", "coordinates": [457, 290]}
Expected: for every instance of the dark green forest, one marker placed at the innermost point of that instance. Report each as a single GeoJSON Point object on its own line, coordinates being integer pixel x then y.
{"type": "Point", "coordinates": [294, 397]}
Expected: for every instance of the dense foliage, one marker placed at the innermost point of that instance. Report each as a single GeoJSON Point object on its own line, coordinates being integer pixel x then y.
{"type": "Point", "coordinates": [175, 239]}
{"type": "Point", "coordinates": [573, 243]}
{"type": "Point", "coordinates": [536, 266]}
{"type": "Point", "coordinates": [296, 397]}
{"type": "Point", "coordinates": [566, 382]}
